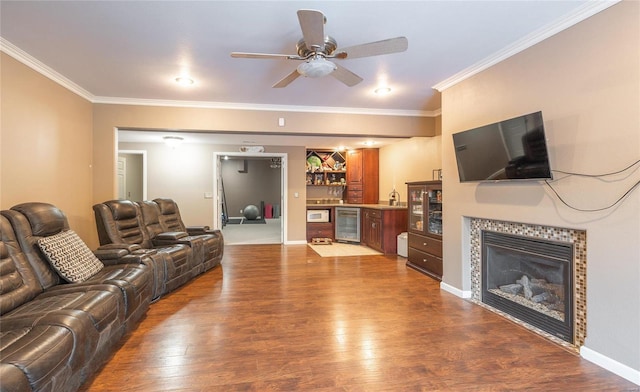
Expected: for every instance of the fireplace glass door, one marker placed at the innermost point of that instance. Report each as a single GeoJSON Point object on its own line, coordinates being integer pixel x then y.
{"type": "Point", "coordinates": [530, 279]}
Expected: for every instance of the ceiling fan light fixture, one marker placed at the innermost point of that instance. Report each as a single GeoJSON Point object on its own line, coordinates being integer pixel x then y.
{"type": "Point", "coordinates": [317, 67]}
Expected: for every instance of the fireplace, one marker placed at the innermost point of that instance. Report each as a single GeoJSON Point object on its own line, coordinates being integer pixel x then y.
{"type": "Point", "coordinates": [570, 316]}
{"type": "Point", "coordinates": [530, 279]}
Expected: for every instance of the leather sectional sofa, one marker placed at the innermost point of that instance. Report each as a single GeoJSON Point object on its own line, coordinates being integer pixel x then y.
{"type": "Point", "coordinates": [178, 252]}
{"type": "Point", "coordinates": [63, 308]}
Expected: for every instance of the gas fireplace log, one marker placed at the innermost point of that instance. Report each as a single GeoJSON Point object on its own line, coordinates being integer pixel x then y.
{"type": "Point", "coordinates": [526, 286]}
{"type": "Point", "coordinates": [513, 288]}
{"type": "Point", "coordinates": [546, 296]}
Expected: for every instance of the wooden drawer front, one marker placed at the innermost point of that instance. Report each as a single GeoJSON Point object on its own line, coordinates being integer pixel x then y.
{"type": "Point", "coordinates": [372, 213]}
{"type": "Point", "coordinates": [426, 261]}
{"type": "Point", "coordinates": [354, 187]}
{"type": "Point", "coordinates": [319, 230]}
{"type": "Point", "coordinates": [426, 244]}
{"type": "Point", "coordinates": [354, 197]}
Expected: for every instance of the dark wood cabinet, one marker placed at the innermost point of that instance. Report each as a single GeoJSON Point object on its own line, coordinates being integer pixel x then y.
{"type": "Point", "coordinates": [362, 176]}
{"type": "Point", "coordinates": [380, 228]}
{"type": "Point", "coordinates": [425, 227]}
{"type": "Point", "coordinates": [321, 229]}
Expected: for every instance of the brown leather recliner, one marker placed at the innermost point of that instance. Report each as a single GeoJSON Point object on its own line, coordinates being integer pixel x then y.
{"type": "Point", "coordinates": [56, 334]}
{"type": "Point", "coordinates": [120, 224]}
{"type": "Point", "coordinates": [170, 220]}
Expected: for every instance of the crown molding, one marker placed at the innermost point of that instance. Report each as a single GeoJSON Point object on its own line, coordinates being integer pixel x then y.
{"type": "Point", "coordinates": [581, 13]}
{"type": "Point", "coordinates": [264, 107]}
{"type": "Point", "coordinates": [38, 66]}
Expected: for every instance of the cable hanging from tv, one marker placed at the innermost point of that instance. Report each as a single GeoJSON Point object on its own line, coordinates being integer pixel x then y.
{"type": "Point", "coordinates": [598, 175]}
{"type": "Point", "coordinates": [619, 200]}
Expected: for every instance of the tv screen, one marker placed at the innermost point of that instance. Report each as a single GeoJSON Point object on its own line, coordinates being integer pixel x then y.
{"type": "Point", "coordinates": [514, 149]}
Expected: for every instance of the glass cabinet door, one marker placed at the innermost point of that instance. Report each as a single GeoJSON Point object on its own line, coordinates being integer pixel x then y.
{"type": "Point", "coordinates": [417, 208]}
{"type": "Point", "coordinates": [434, 217]}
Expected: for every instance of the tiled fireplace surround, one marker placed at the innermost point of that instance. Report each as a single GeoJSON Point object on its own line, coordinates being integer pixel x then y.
{"type": "Point", "coordinates": [578, 238]}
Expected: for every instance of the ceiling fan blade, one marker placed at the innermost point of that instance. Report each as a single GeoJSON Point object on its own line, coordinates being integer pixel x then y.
{"type": "Point", "coordinates": [345, 76]}
{"type": "Point", "coordinates": [243, 55]}
{"type": "Point", "coordinates": [312, 25]}
{"type": "Point", "coordinates": [284, 82]}
{"type": "Point", "coordinates": [386, 46]}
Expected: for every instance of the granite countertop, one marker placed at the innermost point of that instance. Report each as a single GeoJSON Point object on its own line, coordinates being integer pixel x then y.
{"type": "Point", "coordinates": [372, 206]}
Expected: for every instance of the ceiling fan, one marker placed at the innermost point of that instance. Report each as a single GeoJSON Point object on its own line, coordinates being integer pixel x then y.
{"type": "Point", "coordinates": [315, 49]}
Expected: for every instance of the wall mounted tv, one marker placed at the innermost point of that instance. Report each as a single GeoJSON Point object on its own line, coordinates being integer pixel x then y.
{"type": "Point", "coordinates": [514, 149]}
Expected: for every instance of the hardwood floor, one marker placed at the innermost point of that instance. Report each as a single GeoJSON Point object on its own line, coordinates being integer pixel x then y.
{"type": "Point", "coordinates": [280, 317]}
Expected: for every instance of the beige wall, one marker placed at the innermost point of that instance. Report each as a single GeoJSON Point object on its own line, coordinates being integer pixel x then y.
{"type": "Point", "coordinates": [408, 160]}
{"type": "Point", "coordinates": [46, 152]}
{"type": "Point", "coordinates": [586, 81]}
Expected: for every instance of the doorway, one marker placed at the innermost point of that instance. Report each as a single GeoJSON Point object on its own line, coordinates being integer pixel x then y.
{"type": "Point", "coordinates": [242, 180]}
{"type": "Point", "coordinates": [132, 175]}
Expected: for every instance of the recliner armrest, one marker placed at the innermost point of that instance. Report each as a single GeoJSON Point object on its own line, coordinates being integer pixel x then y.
{"type": "Point", "coordinates": [120, 254]}
{"type": "Point", "coordinates": [196, 230]}
{"type": "Point", "coordinates": [130, 248]}
{"type": "Point", "coordinates": [110, 254]}
{"type": "Point", "coordinates": [171, 236]}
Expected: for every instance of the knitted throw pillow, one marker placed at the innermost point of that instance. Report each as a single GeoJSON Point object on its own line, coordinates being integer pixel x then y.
{"type": "Point", "coordinates": [70, 256]}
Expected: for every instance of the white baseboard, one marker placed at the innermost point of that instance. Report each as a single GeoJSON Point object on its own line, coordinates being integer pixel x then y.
{"type": "Point", "coordinates": [455, 291]}
{"type": "Point", "coordinates": [300, 242]}
{"type": "Point", "coordinates": [611, 365]}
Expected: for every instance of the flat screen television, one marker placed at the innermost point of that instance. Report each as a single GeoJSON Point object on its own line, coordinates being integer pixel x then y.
{"type": "Point", "coordinates": [514, 149]}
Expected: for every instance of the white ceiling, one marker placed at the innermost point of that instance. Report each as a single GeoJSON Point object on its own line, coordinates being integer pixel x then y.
{"type": "Point", "coordinates": [132, 51]}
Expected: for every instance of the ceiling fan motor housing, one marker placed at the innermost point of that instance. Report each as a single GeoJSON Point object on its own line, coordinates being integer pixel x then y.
{"type": "Point", "coordinates": [330, 46]}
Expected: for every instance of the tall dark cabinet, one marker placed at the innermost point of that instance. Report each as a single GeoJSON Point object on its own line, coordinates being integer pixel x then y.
{"type": "Point", "coordinates": [425, 227]}
{"type": "Point", "coordinates": [362, 176]}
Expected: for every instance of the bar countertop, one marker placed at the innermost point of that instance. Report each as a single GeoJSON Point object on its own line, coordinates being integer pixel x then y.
{"type": "Point", "coordinates": [371, 206]}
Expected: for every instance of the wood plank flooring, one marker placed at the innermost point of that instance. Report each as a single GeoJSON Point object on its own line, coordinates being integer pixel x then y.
{"type": "Point", "coordinates": [281, 318]}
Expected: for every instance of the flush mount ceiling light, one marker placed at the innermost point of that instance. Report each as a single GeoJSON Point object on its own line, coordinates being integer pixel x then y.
{"type": "Point", "coordinates": [369, 143]}
{"type": "Point", "coordinates": [382, 90]}
{"type": "Point", "coordinates": [184, 81]}
{"type": "Point", "coordinates": [317, 67]}
{"type": "Point", "coordinates": [173, 141]}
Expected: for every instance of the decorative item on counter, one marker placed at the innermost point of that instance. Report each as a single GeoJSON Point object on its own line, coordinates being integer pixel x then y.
{"type": "Point", "coordinates": [394, 196]}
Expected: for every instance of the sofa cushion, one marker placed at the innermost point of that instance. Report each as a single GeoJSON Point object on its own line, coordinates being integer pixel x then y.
{"type": "Point", "coordinates": [70, 256]}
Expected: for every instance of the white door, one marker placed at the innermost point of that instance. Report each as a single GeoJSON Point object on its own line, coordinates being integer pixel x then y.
{"type": "Point", "coordinates": [122, 178]}
{"type": "Point", "coordinates": [218, 197]}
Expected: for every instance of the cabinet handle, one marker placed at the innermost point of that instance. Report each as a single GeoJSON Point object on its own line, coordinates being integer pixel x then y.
{"type": "Point", "coordinates": [424, 244]}
{"type": "Point", "coordinates": [373, 225]}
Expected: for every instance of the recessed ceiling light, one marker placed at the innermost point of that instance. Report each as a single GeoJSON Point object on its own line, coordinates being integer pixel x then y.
{"type": "Point", "coordinates": [369, 143]}
{"type": "Point", "coordinates": [382, 90]}
{"type": "Point", "coordinates": [184, 81]}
